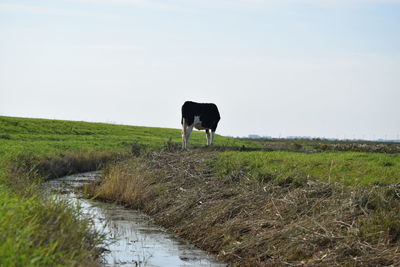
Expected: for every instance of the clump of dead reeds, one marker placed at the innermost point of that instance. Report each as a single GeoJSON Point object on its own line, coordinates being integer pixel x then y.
{"type": "Point", "coordinates": [124, 182]}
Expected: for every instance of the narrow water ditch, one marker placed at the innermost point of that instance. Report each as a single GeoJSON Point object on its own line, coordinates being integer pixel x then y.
{"type": "Point", "coordinates": [131, 237]}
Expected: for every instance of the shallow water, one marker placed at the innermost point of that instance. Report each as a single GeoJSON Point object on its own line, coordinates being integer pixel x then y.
{"type": "Point", "coordinates": [131, 237]}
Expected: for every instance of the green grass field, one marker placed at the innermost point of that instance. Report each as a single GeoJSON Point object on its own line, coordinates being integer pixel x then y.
{"type": "Point", "coordinates": [348, 168]}
{"type": "Point", "coordinates": [41, 137]}
{"type": "Point", "coordinates": [52, 137]}
{"type": "Point", "coordinates": [47, 136]}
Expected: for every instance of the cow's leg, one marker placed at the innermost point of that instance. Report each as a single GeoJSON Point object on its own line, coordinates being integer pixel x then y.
{"type": "Point", "coordinates": [212, 137]}
{"type": "Point", "coordinates": [189, 130]}
{"type": "Point", "coordinates": [208, 137]}
{"type": "Point", "coordinates": [184, 130]}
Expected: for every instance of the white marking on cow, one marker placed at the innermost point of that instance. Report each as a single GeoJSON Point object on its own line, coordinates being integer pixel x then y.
{"type": "Point", "coordinates": [197, 123]}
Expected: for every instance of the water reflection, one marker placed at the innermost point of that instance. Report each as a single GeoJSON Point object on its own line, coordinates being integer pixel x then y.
{"type": "Point", "coordinates": [132, 239]}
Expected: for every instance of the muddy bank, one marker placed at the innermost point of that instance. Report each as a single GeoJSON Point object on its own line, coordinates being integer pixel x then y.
{"type": "Point", "coordinates": [249, 222]}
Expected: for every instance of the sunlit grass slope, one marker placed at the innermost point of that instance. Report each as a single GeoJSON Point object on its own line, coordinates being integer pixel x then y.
{"type": "Point", "coordinates": [52, 137]}
{"type": "Point", "coordinates": [48, 136]}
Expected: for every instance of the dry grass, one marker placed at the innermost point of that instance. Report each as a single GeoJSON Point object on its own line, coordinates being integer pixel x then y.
{"type": "Point", "coordinates": [255, 223]}
{"type": "Point", "coordinates": [129, 185]}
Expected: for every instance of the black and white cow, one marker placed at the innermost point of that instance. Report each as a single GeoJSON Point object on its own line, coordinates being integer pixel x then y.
{"type": "Point", "coordinates": [202, 116]}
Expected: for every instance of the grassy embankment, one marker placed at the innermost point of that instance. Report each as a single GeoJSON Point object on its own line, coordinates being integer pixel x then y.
{"type": "Point", "coordinates": [269, 208]}
{"type": "Point", "coordinates": [35, 230]}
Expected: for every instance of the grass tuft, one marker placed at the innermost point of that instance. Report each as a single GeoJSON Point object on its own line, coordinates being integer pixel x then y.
{"type": "Point", "coordinates": [127, 185]}
{"type": "Point", "coordinates": [43, 232]}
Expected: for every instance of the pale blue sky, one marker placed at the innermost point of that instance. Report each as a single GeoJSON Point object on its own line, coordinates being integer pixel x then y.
{"type": "Point", "coordinates": [291, 67]}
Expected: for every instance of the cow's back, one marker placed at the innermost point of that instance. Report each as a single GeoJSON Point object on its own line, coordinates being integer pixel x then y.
{"type": "Point", "coordinates": [207, 112]}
